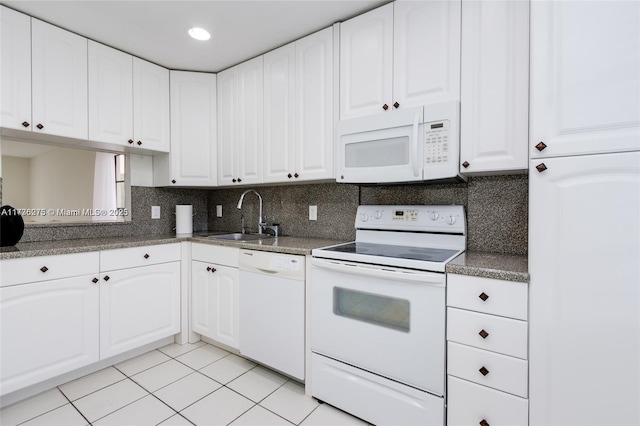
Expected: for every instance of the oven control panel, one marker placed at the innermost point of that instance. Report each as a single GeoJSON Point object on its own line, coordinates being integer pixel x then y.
{"type": "Point", "coordinates": [449, 219]}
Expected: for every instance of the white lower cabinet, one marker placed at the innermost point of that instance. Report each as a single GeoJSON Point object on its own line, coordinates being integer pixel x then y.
{"type": "Point", "coordinates": [138, 306]}
{"type": "Point", "coordinates": [48, 328]}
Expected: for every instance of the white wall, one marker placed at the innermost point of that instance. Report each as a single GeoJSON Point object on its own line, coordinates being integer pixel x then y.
{"type": "Point", "coordinates": [17, 171]}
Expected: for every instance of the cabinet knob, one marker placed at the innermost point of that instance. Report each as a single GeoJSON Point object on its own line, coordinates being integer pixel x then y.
{"type": "Point", "coordinates": [295, 175]}
{"type": "Point", "coordinates": [484, 296]}
{"type": "Point", "coordinates": [540, 146]}
{"type": "Point", "coordinates": [44, 269]}
{"type": "Point", "coordinates": [139, 143]}
{"type": "Point", "coordinates": [25, 124]}
{"type": "Point", "coordinates": [483, 422]}
{"type": "Point", "coordinates": [95, 280]}
{"type": "Point", "coordinates": [106, 278]}
{"type": "Point", "coordinates": [465, 164]}
{"type": "Point", "coordinates": [385, 107]}
{"type": "Point", "coordinates": [396, 105]}
{"type": "Point", "coordinates": [146, 255]}
{"type": "Point", "coordinates": [173, 181]}
{"type": "Point", "coordinates": [40, 126]}
{"type": "Point", "coordinates": [483, 371]}
{"type": "Point", "coordinates": [289, 176]}
{"type": "Point", "coordinates": [239, 180]}
{"type": "Point", "coordinates": [130, 141]}
{"type": "Point", "coordinates": [210, 269]}
{"type": "Point", "coordinates": [483, 334]}
{"type": "Point", "coordinates": [541, 167]}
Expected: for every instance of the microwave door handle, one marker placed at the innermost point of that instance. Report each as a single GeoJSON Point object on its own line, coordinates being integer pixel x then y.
{"type": "Point", "coordinates": [414, 147]}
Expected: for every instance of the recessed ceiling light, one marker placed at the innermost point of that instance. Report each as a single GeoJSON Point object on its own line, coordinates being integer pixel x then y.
{"type": "Point", "coordinates": [199, 33]}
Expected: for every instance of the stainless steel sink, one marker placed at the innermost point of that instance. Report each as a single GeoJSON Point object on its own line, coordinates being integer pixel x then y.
{"type": "Point", "coordinates": [237, 236]}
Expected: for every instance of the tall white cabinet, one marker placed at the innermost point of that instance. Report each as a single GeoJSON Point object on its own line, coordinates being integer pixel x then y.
{"type": "Point", "coordinates": [584, 214]}
{"type": "Point", "coordinates": [402, 54]}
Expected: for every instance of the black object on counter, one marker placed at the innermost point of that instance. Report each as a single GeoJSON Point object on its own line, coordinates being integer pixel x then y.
{"type": "Point", "coordinates": [11, 226]}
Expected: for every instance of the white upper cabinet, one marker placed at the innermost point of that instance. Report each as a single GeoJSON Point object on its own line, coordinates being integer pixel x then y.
{"type": "Point", "coordinates": [110, 95]}
{"type": "Point", "coordinates": [403, 54]}
{"type": "Point", "coordinates": [151, 106]}
{"type": "Point", "coordinates": [494, 95]}
{"type": "Point", "coordinates": [59, 81]}
{"type": "Point", "coordinates": [240, 134]}
{"type": "Point", "coordinates": [585, 90]}
{"type": "Point", "coordinates": [193, 131]}
{"type": "Point", "coordinates": [298, 110]}
{"type": "Point", "coordinates": [15, 72]}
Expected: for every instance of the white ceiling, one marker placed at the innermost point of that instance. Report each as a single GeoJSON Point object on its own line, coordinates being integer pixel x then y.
{"type": "Point", "coordinates": [157, 30]}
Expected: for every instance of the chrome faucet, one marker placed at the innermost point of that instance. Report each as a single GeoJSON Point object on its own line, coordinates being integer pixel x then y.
{"type": "Point", "coordinates": [261, 222]}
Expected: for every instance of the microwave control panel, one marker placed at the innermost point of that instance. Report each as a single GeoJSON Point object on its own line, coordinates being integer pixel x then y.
{"type": "Point", "coordinates": [436, 140]}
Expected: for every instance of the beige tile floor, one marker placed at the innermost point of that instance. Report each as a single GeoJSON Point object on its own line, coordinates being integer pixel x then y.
{"type": "Point", "coordinates": [195, 384]}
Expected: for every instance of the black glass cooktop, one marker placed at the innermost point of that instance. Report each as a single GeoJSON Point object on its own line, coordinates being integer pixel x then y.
{"type": "Point", "coordinates": [402, 252]}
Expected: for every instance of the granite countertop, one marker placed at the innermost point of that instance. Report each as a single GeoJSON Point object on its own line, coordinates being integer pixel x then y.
{"type": "Point", "coordinates": [290, 245]}
{"type": "Point", "coordinates": [499, 266]}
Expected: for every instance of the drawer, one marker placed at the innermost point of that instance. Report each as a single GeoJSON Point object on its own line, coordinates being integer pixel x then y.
{"type": "Point", "coordinates": [486, 368]}
{"type": "Point", "coordinates": [503, 335]}
{"type": "Point", "coordinates": [497, 297]}
{"type": "Point", "coordinates": [42, 268]}
{"type": "Point", "coordinates": [472, 404]}
{"type": "Point", "coordinates": [139, 256]}
{"type": "Point", "coordinates": [227, 256]}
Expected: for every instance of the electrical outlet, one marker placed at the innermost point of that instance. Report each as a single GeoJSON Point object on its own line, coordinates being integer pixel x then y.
{"type": "Point", "coordinates": [218, 210]}
{"type": "Point", "coordinates": [155, 212]}
{"type": "Point", "coordinates": [313, 212]}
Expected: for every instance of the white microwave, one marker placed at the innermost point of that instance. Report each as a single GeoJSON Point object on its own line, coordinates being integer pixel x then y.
{"type": "Point", "coordinates": [406, 145]}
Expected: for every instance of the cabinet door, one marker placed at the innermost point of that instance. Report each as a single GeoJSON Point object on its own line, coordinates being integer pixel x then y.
{"type": "Point", "coordinates": [426, 52]}
{"type": "Point", "coordinates": [48, 328]}
{"type": "Point", "coordinates": [150, 106]}
{"type": "Point", "coordinates": [227, 126]}
{"type": "Point", "coordinates": [215, 302]}
{"type": "Point", "coordinates": [59, 81]}
{"type": "Point", "coordinates": [585, 77]}
{"type": "Point", "coordinates": [366, 63]}
{"type": "Point", "coordinates": [193, 128]}
{"type": "Point", "coordinates": [138, 306]}
{"type": "Point", "coordinates": [279, 114]}
{"type": "Point", "coordinates": [110, 95]}
{"type": "Point", "coordinates": [584, 298]}
{"type": "Point", "coordinates": [494, 119]}
{"type": "Point", "coordinates": [15, 71]}
{"type": "Point", "coordinates": [314, 107]}
{"type": "Point", "coordinates": [250, 121]}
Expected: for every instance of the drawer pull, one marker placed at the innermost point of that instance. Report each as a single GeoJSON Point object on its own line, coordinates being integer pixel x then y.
{"type": "Point", "coordinates": [484, 296]}
{"type": "Point", "coordinates": [106, 278]}
{"type": "Point", "coordinates": [94, 280]}
{"type": "Point", "coordinates": [483, 334]}
{"type": "Point", "coordinates": [483, 422]}
{"type": "Point", "coordinates": [44, 269]}
{"type": "Point", "coordinates": [484, 371]}
{"type": "Point", "coordinates": [146, 256]}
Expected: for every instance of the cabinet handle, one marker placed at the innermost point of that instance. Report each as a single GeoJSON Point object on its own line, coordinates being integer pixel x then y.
{"type": "Point", "coordinates": [295, 175]}
{"type": "Point", "coordinates": [465, 164]}
{"type": "Point", "coordinates": [173, 181]}
{"type": "Point", "coordinates": [25, 124]}
{"type": "Point", "coordinates": [210, 269]}
{"type": "Point", "coordinates": [95, 280]}
{"type": "Point", "coordinates": [483, 371]}
{"type": "Point", "coordinates": [540, 146]}
{"type": "Point", "coordinates": [385, 107]}
{"type": "Point", "coordinates": [139, 143]}
{"type": "Point", "coordinates": [44, 269]}
{"type": "Point", "coordinates": [483, 334]}
{"type": "Point", "coordinates": [541, 167]}
{"type": "Point", "coordinates": [289, 176]}
{"type": "Point", "coordinates": [106, 278]}
{"type": "Point", "coordinates": [484, 296]}
{"type": "Point", "coordinates": [234, 180]}
{"type": "Point", "coordinates": [146, 256]}
{"type": "Point", "coordinates": [40, 126]}
{"type": "Point", "coordinates": [483, 422]}
{"type": "Point", "coordinates": [396, 105]}
{"type": "Point", "coordinates": [130, 141]}
{"type": "Point", "coordinates": [239, 180]}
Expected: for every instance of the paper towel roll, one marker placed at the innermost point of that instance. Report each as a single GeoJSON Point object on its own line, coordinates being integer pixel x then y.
{"type": "Point", "coordinates": [184, 219]}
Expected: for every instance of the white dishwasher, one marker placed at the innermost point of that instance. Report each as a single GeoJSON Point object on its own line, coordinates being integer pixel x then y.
{"type": "Point", "coordinates": [272, 310]}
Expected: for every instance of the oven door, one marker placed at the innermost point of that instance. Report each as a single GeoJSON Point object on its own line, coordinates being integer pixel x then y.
{"type": "Point", "coordinates": [387, 321]}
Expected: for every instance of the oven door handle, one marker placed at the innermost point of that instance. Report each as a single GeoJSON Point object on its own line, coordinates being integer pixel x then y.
{"type": "Point", "coordinates": [424, 277]}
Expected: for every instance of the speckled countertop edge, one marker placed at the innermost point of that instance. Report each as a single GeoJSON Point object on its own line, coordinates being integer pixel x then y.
{"type": "Point", "coordinates": [288, 245]}
{"type": "Point", "coordinates": [498, 266]}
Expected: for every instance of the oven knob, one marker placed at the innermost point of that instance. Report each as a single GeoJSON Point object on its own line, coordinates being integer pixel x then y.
{"type": "Point", "coordinates": [364, 217]}
{"type": "Point", "coordinates": [451, 220]}
{"type": "Point", "coordinates": [377, 214]}
{"type": "Point", "coordinates": [434, 215]}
